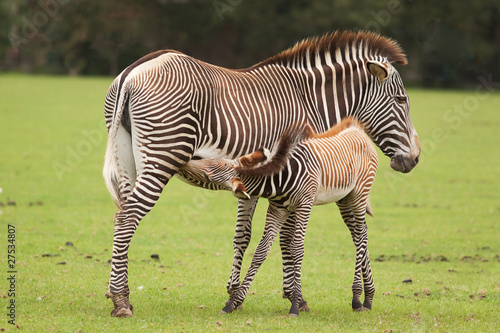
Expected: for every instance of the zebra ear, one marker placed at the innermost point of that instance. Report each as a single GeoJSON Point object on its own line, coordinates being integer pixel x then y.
{"type": "Point", "coordinates": [238, 189]}
{"type": "Point", "coordinates": [382, 70]}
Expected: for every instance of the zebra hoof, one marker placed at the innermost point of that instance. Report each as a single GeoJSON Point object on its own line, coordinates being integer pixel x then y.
{"type": "Point", "coordinates": [293, 315]}
{"type": "Point", "coordinates": [303, 306]}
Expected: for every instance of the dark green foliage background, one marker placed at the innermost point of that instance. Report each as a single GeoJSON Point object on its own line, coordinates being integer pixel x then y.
{"type": "Point", "coordinates": [449, 43]}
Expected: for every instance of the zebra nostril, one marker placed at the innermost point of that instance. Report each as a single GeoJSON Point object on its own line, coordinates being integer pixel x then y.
{"type": "Point", "coordinates": [417, 159]}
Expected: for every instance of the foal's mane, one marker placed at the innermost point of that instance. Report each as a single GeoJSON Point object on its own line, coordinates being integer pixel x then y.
{"type": "Point", "coordinates": [374, 44]}
{"type": "Point", "coordinates": [290, 138]}
{"type": "Point", "coordinates": [346, 123]}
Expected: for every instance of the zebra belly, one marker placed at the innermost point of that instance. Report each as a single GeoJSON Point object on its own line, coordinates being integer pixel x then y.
{"type": "Point", "coordinates": [329, 195]}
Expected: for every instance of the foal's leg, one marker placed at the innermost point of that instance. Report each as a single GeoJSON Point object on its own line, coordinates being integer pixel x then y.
{"type": "Point", "coordinates": [359, 204]}
{"type": "Point", "coordinates": [242, 236]}
{"type": "Point", "coordinates": [302, 214]}
{"type": "Point", "coordinates": [274, 220]}
{"type": "Point", "coordinates": [286, 236]}
{"type": "Point", "coordinates": [357, 288]}
{"type": "Point", "coordinates": [353, 212]}
{"type": "Point", "coordinates": [367, 275]}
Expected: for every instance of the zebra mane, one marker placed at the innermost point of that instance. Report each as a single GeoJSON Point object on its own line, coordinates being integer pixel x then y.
{"type": "Point", "coordinates": [362, 42]}
{"type": "Point", "coordinates": [290, 138]}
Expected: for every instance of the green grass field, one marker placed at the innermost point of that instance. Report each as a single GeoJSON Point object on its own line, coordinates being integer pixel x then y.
{"type": "Point", "coordinates": [438, 226]}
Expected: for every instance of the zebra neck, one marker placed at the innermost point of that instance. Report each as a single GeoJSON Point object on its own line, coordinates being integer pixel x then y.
{"type": "Point", "coordinates": [332, 90]}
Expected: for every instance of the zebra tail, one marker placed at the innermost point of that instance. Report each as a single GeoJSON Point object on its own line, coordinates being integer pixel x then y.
{"type": "Point", "coordinates": [280, 154]}
{"type": "Point", "coordinates": [111, 164]}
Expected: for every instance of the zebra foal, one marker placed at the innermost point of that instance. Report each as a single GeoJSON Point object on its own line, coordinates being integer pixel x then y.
{"type": "Point", "coordinates": [305, 169]}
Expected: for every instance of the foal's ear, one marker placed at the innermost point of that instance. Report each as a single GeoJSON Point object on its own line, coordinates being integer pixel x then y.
{"type": "Point", "coordinates": [238, 189]}
{"type": "Point", "coordinates": [256, 157]}
{"type": "Point", "coordinates": [382, 70]}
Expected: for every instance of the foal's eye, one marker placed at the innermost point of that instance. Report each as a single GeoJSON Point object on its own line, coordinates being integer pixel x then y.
{"type": "Point", "coordinates": [401, 99]}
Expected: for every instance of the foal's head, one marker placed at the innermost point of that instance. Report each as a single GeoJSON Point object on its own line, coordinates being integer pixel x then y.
{"type": "Point", "coordinates": [216, 173]}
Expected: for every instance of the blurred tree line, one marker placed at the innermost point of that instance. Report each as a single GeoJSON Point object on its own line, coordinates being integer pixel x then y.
{"type": "Point", "coordinates": [448, 43]}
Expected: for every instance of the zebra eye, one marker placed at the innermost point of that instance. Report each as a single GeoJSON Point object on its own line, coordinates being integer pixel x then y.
{"type": "Point", "coordinates": [401, 99]}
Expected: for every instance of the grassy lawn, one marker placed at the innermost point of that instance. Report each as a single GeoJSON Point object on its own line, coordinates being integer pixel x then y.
{"type": "Point", "coordinates": [438, 226]}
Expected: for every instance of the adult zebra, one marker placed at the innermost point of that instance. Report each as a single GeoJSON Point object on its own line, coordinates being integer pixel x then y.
{"type": "Point", "coordinates": [167, 108]}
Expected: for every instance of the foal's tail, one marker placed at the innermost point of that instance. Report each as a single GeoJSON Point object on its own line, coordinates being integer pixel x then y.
{"type": "Point", "coordinates": [275, 161]}
{"type": "Point", "coordinates": [369, 209]}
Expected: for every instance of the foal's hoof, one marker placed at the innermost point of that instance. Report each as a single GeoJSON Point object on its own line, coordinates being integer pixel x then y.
{"type": "Point", "coordinates": [122, 306]}
{"type": "Point", "coordinates": [303, 306]}
{"type": "Point", "coordinates": [227, 309]}
{"type": "Point", "coordinates": [294, 311]}
{"type": "Point", "coordinates": [122, 313]}
{"type": "Point", "coordinates": [361, 309]}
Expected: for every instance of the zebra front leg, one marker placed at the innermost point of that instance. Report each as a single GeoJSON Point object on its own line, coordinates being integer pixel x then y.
{"type": "Point", "coordinates": [242, 236]}
{"type": "Point", "coordinates": [286, 236]}
{"type": "Point", "coordinates": [274, 220]}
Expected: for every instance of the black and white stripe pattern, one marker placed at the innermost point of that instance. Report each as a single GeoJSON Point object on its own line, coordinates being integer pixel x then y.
{"type": "Point", "coordinates": [168, 108]}
{"type": "Point", "coordinates": [337, 166]}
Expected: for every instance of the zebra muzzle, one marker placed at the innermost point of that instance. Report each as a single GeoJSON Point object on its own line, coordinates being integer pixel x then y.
{"type": "Point", "coordinates": [403, 163]}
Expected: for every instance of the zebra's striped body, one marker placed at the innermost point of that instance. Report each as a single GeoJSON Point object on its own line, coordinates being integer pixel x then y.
{"type": "Point", "coordinates": [336, 166]}
{"type": "Point", "coordinates": [168, 108]}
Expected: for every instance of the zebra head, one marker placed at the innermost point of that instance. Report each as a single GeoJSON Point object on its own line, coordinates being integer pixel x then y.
{"type": "Point", "coordinates": [386, 117]}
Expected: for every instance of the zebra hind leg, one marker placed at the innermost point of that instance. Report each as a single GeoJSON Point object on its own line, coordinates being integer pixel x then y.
{"type": "Point", "coordinates": [120, 298]}
{"type": "Point", "coordinates": [148, 187]}
{"type": "Point", "coordinates": [120, 182]}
